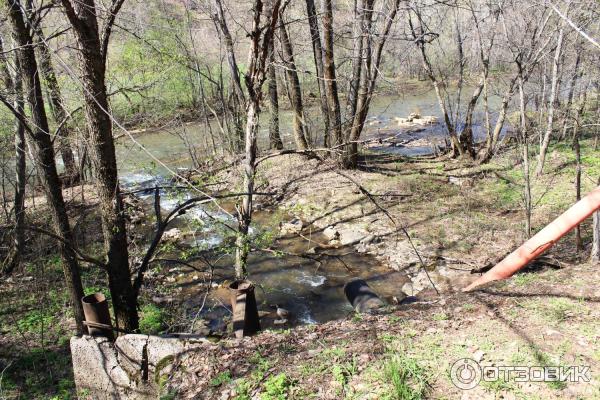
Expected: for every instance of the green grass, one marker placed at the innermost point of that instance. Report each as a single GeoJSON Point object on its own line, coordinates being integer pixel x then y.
{"type": "Point", "coordinates": [406, 378]}
{"type": "Point", "coordinates": [523, 279]}
{"type": "Point", "coordinates": [558, 309]}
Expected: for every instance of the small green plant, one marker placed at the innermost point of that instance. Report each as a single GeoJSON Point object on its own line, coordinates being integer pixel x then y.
{"type": "Point", "coordinates": [243, 390]}
{"type": "Point", "coordinates": [407, 378]}
{"type": "Point", "coordinates": [440, 317]}
{"type": "Point", "coordinates": [276, 387]}
{"type": "Point", "coordinates": [152, 319]}
{"type": "Point", "coordinates": [468, 307]}
{"type": "Point", "coordinates": [35, 321]}
{"type": "Point", "coordinates": [222, 378]}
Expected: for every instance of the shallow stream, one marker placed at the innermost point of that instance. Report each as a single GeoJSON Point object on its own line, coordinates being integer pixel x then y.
{"type": "Point", "coordinates": [312, 290]}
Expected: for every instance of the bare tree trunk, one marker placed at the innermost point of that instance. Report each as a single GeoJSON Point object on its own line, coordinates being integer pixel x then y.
{"type": "Point", "coordinates": [577, 150]}
{"type": "Point", "coordinates": [567, 111]}
{"type": "Point", "coordinates": [15, 86]}
{"type": "Point", "coordinates": [494, 138]}
{"type": "Point", "coordinates": [551, 104]}
{"type": "Point", "coordinates": [360, 82]}
{"type": "Point", "coordinates": [360, 8]}
{"type": "Point", "coordinates": [254, 79]}
{"type": "Point", "coordinates": [57, 107]}
{"type": "Point", "coordinates": [466, 136]}
{"type": "Point", "coordinates": [44, 157]}
{"type": "Point", "coordinates": [370, 72]}
{"type": "Point", "coordinates": [418, 34]}
{"type": "Point", "coordinates": [484, 56]}
{"type": "Point", "coordinates": [461, 76]}
{"type": "Point", "coordinates": [239, 100]}
{"type": "Point", "coordinates": [595, 255]}
{"type": "Point", "coordinates": [231, 60]}
{"type": "Point", "coordinates": [313, 24]}
{"type": "Point", "coordinates": [333, 101]}
{"type": "Point", "coordinates": [525, 144]}
{"type": "Point", "coordinates": [295, 89]}
{"type": "Point", "coordinates": [275, 141]}
{"type": "Point", "coordinates": [92, 59]}
{"type": "Point", "coordinates": [245, 212]}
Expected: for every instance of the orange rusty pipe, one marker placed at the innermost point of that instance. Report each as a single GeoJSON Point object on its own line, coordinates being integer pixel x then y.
{"type": "Point", "coordinates": [542, 241]}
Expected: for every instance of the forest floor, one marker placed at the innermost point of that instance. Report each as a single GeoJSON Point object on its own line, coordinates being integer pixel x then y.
{"type": "Point", "coordinates": [458, 217]}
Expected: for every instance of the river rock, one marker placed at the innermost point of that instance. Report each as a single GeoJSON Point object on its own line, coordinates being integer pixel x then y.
{"type": "Point", "coordinates": [422, 281]}
{"type": "Point", "coordinates": [414, 115]}
{"type": "Point", "coordinates": [415, 119]}
{"type": "Point", "coordinates": [408, 289]}
{"type": "Point", "coordinates": [350, 236]}
{"type": "Point", "coordinates": [292, 227]}
{"type": "Point", "coordinates": [331, 233]}
{"type": "Point", "coordinates": [368, 239]}
{"type": "Point", "coordinates": [402, 256]}
{"type": "Point", "coordinates": [173, 234]}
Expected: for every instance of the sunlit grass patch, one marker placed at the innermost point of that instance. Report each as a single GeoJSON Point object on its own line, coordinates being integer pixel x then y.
{"type": "Point", "coordinates": [406, 378]}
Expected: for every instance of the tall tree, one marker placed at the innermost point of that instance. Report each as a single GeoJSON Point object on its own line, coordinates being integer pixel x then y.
{"type": "Point", "coordinates": [14, 85]}
{"type": "Point", "coordinates": [422, 37]}
{"type": "Point", "coordinates": [373, 53]}
{"type": "Point", "coordinates": [361, 10]}
{"type": "Point", "coordinates": [275, 141]}
{"type": "Point", "coordinates": [39, 134]}
{"type": "Point", "coordinates": [329, 74]}
{"type": "Point", "coordinates": [92, 43]}
{"type": "Point", "coordinates": [55, 100]}
{"type": "Point", "coordinates": [239, 98]}
{"type": "Point", "coordinates": [466, 136]}
{"type": "Point", "coordinates": [295, 91]}
{"type": "Point", "coordinates": [315, 37]}
{"type": "Point", "coordinates": [551, 103]}
{"type": "Point", "coordinates": [261, 44]}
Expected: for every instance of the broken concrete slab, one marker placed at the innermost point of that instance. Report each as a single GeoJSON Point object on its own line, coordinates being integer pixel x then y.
{"type": "Point", "coordinates": [132, 368]}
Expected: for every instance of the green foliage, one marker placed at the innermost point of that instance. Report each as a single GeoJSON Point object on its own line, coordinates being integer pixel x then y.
{"type": "Point", "coordinates": [243, 390]}
{"type": "Point", "coordinates": [407, 378]}
{"type": "Point", "coordinates": [276, 387]}
{"type": "Point", "coordinates": [152, 319]}
{"type": "Point", "coordinates": [440, 317]}
{"type": "Point", "coordinates": [221, 378]}
{"type": "Point", "coordinates": [35, 321]}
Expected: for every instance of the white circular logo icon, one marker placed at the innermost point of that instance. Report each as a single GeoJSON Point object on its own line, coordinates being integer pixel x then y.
{"type": "Point", "coordinates": [465, 373]}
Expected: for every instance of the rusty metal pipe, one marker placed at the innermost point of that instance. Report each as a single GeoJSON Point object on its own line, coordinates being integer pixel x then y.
{"type": "Point", "coordinates": [542, 241]}
{"type": "Point", "coordinates": [361, 296]}
{"type": "Point", "coordinates": [245, 312]}
{"type": "Point", "coordinates": [95, 310]}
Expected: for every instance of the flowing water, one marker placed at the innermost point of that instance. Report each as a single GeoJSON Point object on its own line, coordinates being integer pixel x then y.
{"type": "Point", "coordinates": [311, 289]}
